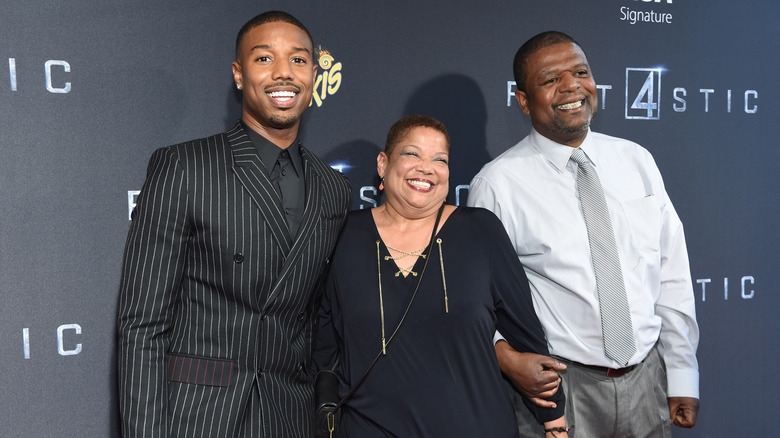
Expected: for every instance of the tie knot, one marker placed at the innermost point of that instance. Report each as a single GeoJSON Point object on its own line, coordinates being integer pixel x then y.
{"type": "Point", "coordinates": [579, 157]}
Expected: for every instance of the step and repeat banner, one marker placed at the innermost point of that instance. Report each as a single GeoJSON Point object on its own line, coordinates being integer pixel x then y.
{"type": "Point", "coordinates": [89, 89]}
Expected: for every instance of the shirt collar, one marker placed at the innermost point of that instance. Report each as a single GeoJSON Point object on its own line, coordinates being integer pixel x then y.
{"type": "Point", "coordinates": [558, 154]}
{"type": "Point", "coordinates": [269, 152]}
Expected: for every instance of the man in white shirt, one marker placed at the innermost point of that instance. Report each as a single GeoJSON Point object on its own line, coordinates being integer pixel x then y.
{"type": "Point", "coordinates": [533, 189]}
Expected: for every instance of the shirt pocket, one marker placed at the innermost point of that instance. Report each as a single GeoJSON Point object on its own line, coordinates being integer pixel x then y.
{"type": "Point", "coordinates": [643, 217]}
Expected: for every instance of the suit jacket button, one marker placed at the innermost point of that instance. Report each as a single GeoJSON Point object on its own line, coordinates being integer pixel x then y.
{"type": "Point", "coordinates": [264, 316]}
{"type": "Point", "coordinates": [238, 257]}
{"type": "Point", "coordinates": [300, 316]}
{"type": "Point", "coordinates": [301, 367]}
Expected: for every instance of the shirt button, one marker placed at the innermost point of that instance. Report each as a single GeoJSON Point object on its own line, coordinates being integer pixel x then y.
{"type": "Point", "coordinates": [238, 257]}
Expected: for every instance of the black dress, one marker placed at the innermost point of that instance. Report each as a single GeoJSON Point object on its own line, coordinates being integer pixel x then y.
{"type": "Point", "coordinates": [440, 377]}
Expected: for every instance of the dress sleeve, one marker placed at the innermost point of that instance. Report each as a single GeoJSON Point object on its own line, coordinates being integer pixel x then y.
{"type": "Point", "coordinates": [327, 341]}
{"type": "Point", "coordinates": [516, 318]}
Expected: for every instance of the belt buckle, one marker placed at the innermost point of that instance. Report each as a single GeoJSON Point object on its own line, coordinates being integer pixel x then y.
{"type": "Point", "coordinates": [619, 372]}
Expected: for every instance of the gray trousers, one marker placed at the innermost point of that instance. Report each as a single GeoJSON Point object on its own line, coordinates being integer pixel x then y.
{"type": "Point", "coordinates": [597, 406]}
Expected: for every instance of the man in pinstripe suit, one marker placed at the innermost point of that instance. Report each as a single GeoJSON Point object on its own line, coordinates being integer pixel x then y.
{"type": "Point", "coordinates": [228, 241]}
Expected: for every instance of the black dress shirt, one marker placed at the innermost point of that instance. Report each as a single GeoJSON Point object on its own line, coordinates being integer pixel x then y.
{"type": "Point", "coordinates": [285, 169]}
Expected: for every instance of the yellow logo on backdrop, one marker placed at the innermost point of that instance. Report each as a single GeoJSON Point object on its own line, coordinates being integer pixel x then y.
{"type": "Point", "coordinates": [328, 81]}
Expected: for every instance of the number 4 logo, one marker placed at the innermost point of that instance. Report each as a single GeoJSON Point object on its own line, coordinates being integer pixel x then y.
{"type": "Point", "coordinates": [646, 103]}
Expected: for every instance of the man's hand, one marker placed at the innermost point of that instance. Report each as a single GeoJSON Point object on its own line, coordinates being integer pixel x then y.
{"type": "Point", "coordinates": [534, 375]}
{"type": "Point", "coordinates": [683, 410]}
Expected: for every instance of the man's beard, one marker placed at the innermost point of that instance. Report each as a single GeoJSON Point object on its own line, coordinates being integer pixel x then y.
{"type": "Point", "coordinates": [562, 128]}
{"type": "Point", "coordinates": [283, 121]}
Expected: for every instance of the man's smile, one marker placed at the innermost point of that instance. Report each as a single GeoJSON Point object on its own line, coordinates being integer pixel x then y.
{"type": "Point", "coordinates": [571, 105]}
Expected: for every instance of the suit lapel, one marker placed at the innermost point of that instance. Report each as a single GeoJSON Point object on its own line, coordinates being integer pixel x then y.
{"type": "Point", "coordinates": [308, 225]}
{"type": "Point", "coordinates": [249, 170]}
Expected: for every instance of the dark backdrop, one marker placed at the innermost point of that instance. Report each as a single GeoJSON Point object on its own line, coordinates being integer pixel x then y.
{"type": "Point", "coordinates": [89, 89]}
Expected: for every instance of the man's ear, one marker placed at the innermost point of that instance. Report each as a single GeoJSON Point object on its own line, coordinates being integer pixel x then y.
{"type": "Point", "coordinates": [237, 77]}
{"type": "Point", "coordinates": [522, 100]}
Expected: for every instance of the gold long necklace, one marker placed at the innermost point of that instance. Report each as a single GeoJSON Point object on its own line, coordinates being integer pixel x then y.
{"type": "Point", "coordinates": [407, 269]}
{"type": "Point", "coordinates": [379, 277]}
{"type": "Point", "coordinates": [381, 301]}
{"type": "Point", "coordinates": [443, 280]}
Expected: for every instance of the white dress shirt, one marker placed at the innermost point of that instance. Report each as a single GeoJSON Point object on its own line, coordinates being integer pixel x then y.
{"type": "Point", "coordinates": [532, 188]}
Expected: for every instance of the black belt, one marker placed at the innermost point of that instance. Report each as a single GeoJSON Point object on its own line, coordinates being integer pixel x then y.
{"type": "Point", "coordinates": [610, 372]}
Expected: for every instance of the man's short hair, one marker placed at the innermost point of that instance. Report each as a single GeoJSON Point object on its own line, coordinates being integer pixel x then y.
{"type": "Point", "coordinates": [533, 45]}
{"type": "Point", "coordinates": [402, 127]}
{"type": "Point", "coordinates": [271, 17]}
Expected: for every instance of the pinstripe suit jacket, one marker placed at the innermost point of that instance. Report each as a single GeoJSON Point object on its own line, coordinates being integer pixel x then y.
{"type": "Point", "coordinates": [216, 297]}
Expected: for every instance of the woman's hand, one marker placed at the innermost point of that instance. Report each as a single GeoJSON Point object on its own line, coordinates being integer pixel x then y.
{"type": "Point", "coordinates": [556, 428]}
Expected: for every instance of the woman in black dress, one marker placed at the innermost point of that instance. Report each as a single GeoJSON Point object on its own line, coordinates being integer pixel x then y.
{"type": "Point", "coordinates": [439, 377]}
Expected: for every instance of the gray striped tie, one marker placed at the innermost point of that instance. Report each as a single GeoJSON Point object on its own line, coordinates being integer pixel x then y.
{"type": "Point", "coordinates": [615, 316]}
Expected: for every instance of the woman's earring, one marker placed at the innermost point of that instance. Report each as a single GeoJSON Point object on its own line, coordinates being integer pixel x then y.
{"type": "Point", "coordinates": [381, 184]}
